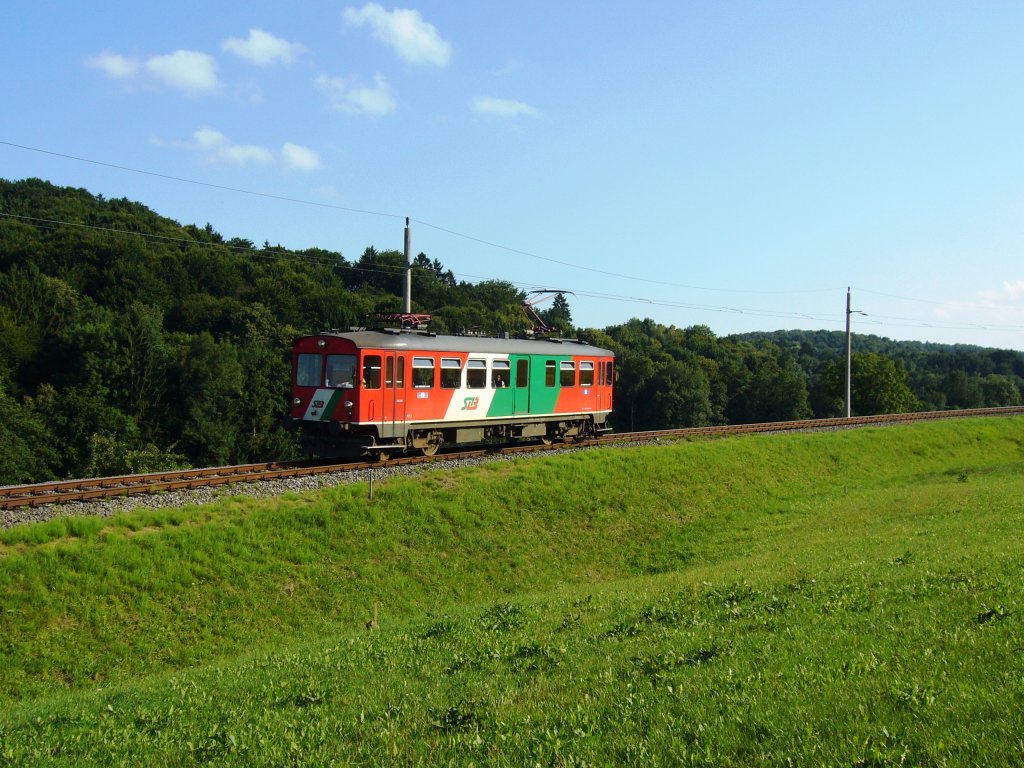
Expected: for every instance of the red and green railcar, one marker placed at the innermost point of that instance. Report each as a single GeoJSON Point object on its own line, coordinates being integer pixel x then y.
{"type": "Point", "coordinates": [384, 392]}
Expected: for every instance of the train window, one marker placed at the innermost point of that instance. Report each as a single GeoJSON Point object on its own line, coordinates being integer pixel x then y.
{"type": "Point", "coordinates": [400, 381]}
{"type": "Point", "coordinates": [307, 371]}
{"type": "Point", "coordinates": [567, 377]}
{"type": "Point", "coordinates": [341, 371]}
{"type": "Point", "coordinates": [586, 373]}
{"type": "Point", "coordinates": [371, 371]}
{"type": "Point", "coordinates": [451, 373]}
{"type": "Point", "coordinates": [549, 373]}
{"type": "Point", "coordinates": [476, 374]}
{"type": "Point", "coordinates": [422, 372]}
{"type": "Point", "coordinates": [500, 378]}
{"type": "Point", "coordinates": [522, 373]}
{"type": "Point", "coordinates": [608, 373]}
{"type": "Point", "coordinates": [389, 372]}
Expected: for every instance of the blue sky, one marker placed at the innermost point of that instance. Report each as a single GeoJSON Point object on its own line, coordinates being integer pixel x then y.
{"type": "Point", "coordinates": [734, 164]}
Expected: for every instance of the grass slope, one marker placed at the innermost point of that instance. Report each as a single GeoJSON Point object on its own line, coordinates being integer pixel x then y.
{"type": "Point", "coordinates": [844, 598]}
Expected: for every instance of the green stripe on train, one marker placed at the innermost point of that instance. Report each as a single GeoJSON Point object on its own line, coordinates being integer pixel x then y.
{"type": "Point", "coordinates": [329, 408]}
{"type": "Point", "coordinates": [537, 398]}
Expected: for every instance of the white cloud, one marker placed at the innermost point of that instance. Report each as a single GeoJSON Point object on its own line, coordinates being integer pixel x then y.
{"type": "Point", "coordinates": [346, 96]}
{"type": "Point", "coordinates": [299, 158]}
{"type": "Point", "coordinates": [415, 40]}
{"type": "Point", "coordinates": [114, 65]}
{"type": "Point", "coordinates": [262, 48]}
{"type": "Point", "coordinates": [218, 149]}
{"type": "Point", "coordinates": [215, 148]}
{"type": "Point", "coordinates": [249, 93]}
{"type": "Point", "coordinates": [192, 72]}
{"type": "Point", "coordinates": [1015, 290]}
{"type": "Point", "coordinates": [488, 105]}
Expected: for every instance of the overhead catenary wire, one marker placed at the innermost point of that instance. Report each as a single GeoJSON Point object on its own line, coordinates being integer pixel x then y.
{"type": "Point", "coordinates": [446, 230]}
{"type": "Point", "coordinates": [383, 269]}
{"type": "Point", "coordinates": [281, 254]}
{"type": "Point", "coordinates": [379, 269]}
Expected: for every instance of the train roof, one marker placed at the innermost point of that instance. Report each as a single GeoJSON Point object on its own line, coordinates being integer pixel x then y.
{"type": "Point", "coordinates": [419, 340]}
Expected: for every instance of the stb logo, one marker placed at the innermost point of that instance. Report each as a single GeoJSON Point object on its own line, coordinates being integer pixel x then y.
{"type": "Point", "coordinates": [470, 403]}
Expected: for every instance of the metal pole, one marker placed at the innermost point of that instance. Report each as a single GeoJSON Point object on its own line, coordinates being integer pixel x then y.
{"type": "Point", "coordinates": [848, 412]}
{"type": "Point", "coordinates": [408, 268]}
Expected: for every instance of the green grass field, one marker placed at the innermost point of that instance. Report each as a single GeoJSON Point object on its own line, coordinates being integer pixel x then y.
{"type": "Point", "coordinates": [848, 598]}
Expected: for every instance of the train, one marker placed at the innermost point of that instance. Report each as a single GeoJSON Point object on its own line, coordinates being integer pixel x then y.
{"type": "Point", "coordinates": [391, 391]}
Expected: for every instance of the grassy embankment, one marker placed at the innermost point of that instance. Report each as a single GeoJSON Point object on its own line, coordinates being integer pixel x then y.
{"type": "Point", "coordinates": [845, 598]}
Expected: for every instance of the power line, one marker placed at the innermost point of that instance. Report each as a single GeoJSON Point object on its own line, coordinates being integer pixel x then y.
{"type": "Point", "coordinates": [258, 253]}
{"type": "Point", "coordinates": [202, 183]}
{"type": "Point", "coordinates": [384, 269]}
{"type": "Point", "coordinates": [393, 271]}
{"type": "Point", "coordinates": [280, 254]}
{"type": "Point", "coordinates": [446, 230]}
{"type": "Point", "coordinates": [607, 273]}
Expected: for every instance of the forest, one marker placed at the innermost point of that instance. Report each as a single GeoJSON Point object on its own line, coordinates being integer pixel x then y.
{"type": "Point", "coordinates": [130, 342]}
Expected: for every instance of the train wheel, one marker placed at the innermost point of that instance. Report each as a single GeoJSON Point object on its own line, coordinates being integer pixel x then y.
{"type": "Point", "coordinates": [436, 440]}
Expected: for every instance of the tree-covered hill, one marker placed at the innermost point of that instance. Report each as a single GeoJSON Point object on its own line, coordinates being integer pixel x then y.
{"type": "Point", "coordinates": [941, 376]}
{"type": "Point", "coordinates": [129, 342]}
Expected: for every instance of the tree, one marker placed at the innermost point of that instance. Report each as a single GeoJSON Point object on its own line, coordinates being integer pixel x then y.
{"type": "Point", "coordinates": [558, 315]}
{"type": "Point", "coordinates": [1000, 390]}
{"type": "Point", "coordinates": [963, 390]}
{"type": "Point", "coordinates": [680, 394]}
{"type": "Point", "coordinates": [27, 450]}
{"type": "Point", "coordinates": [144, 356]}
{"type": "Point", "coordinates": [773, 389]}
{"type": "Point", "coordinates": [208, 399]}
{"type": "Point", "coordinates": [878, 385]}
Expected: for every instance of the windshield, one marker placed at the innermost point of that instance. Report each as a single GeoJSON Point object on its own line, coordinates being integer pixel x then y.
{"type": "Point", "coordinates": [307, 372]}
{"type": "Point", "coordinates": [341, 371]}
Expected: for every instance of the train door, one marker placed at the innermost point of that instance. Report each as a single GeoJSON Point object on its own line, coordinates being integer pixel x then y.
{"type": "Point", "coordinates": [521, 391]}
{"type": "Point", "coordinates": [393, 405]}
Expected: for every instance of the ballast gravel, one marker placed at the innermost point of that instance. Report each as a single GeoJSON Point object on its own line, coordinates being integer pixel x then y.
{"type": "Point", "coordinates": [267, 488]}
{"type": "Point", "coordinates": [260, 489]}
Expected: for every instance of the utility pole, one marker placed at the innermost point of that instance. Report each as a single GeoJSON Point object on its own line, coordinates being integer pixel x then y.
{"type": "Point", "coordinates": [408, 269]}
{"type": "Point", "coordinates": [848, 345]}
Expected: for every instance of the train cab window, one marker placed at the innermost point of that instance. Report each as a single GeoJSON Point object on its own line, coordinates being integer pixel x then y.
{"type": "Point", "coordinates": [451, 373]}
{"type": "Point", "coordinates": [371, 371]}
{"type": "Point", "coordinates": [549, 373]}
{"type": "Point", "coordinates": [500, 377]}
{"type": "Point", "coordinates": [522, 374]}
{"type": "Point", "coordinates": [400, 379]}
{"type": "Point", "coordinates": [567, 375]}
{"type": "Point", "coordinates": [341, 371]}
{"type": "Point", "coordinates": [307, 371]}
{"type": "Point", "coordinates": [423, 372]}
{"type": "Point", "coordinates": [586, 373]}
{"type": "Point", "coordinates": [476, 374]}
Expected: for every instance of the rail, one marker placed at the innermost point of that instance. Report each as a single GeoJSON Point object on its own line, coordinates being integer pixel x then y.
{"type": "Point", "coordinates": [62, 491]}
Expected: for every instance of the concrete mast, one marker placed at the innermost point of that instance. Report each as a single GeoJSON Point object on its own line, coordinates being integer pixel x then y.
{"type": "Point", "coordinates": [407, 308]}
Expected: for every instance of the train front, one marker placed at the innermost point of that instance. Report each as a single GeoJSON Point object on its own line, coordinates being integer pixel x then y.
{"type": "Point", "coordinates": [325, 396]}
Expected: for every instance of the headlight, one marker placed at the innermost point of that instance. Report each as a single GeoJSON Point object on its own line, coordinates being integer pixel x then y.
{"type": "Point", "coordinates": [296, 401]}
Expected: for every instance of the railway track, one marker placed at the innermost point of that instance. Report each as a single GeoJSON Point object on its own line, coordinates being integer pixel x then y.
{"type": "Point", "coordinates": [64, 491]}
